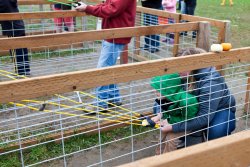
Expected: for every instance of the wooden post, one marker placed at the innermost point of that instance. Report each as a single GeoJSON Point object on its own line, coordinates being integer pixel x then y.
{"type": "Point", "coordinates": [224, 35]}
{"type": "Point", "coordinates": [124, 55]}
{"type": "Point", "coordinates": [176, 38]}
{"type": "Point", "coordinates": [246, 107]}
{"type": "Point", "coordinates": [204, 35]}
{"type": "Point", "coordinates": [137, 39]}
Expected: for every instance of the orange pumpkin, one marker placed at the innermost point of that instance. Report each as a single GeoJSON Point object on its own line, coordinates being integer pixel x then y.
{"type": "Point", "coordinates": [226, 46]}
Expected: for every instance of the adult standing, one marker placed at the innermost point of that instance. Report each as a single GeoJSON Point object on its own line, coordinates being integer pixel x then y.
{"type": "Point", "coordinates": [152, 42]}
{"type": "Point", "coordinates": [217, 108]}
{"type": "Point", "coordinates": [115, 14]}
{"type": "Point", "coordinates": [188, 7]}
{"type": "Point", "coordinates": [15, 28]}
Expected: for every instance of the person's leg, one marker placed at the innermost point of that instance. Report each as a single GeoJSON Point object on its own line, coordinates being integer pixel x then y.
{"type": "Point", "coordinates": [146, 22]}
{"type": "Point", "coordinates": [58, 22]}
{"type": "Point", "coordinates": [22, 61]}
{"type": "Point", "coordinates": [20, 57]}
{"type": "Point", "coordinates": [183, 11]}
{"type": "Point", "coordinates": [222, 124]}
{"type": "Point", "coordinates": [154, 39]}
{"type": "Point", "coordinates": [69, 22]}
{"type": "Point", "coordinates": [190, 11]}
{"type": "Point", "coordinates": [183, 8]}
{"type": "Point", "coordinates": [108, 57]}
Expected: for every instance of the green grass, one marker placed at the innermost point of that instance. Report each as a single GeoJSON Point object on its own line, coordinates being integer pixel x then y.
{"type": "Point", "coordinates": [76, 143]}
{"type": "Point", "coordinates": [237, 14]}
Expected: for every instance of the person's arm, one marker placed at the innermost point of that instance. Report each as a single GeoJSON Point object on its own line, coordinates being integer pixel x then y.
{"type": "Point", "coordinates": [208, 104]}
{"type": "Point", "coordinates": [171, 3]}
{"type": "Point", "coordinates": [107, 10]}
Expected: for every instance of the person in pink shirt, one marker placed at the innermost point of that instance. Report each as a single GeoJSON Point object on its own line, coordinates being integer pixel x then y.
{"type": "Point", "coordinates": [169, 6]}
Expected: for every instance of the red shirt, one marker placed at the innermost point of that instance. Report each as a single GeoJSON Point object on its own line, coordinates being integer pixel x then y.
{"type": "Point", "coordinates": [115, 14]}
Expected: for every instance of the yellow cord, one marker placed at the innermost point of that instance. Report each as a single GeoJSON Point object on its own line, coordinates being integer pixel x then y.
{"type": "Point", "coordinates": [84, 93]}
{"type": "Point", "coordinates": [69, 114]}
{"type": "Point", "coordinates": [69, 107]}
{"type": "Point", "coordinates": [126, 116]}
{"type": "Point", "coordinates": [66, 106]}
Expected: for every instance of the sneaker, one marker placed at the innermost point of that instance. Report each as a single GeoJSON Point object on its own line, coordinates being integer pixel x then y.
{"type": "Point", "coordinates": [118, 103]}
{"type": "Point", "coordinates": [154, 50]}
{"type": "Point", "coordinates": [91, 110]}
{"type": "Point", "coordinates": [171, 41]}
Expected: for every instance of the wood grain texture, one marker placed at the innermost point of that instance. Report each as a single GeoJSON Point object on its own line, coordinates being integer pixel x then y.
{"type": "Point", "coordinates": [231, 151]}
{"type": "Point", "coordinates": [72, 81]}
{"type": "Point", "coordinates": [75, 37]}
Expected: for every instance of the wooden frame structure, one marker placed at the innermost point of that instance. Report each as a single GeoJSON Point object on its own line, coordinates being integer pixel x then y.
{"type": "Point", "coordinates": [73, 81]}
{"type": "Point", "coordinates": [223, 26]}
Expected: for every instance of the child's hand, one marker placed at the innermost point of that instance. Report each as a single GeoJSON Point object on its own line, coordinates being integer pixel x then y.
{"type": "Point", "coordinates": [157, 118]}
{"type": "Point", "coordinates": [165, 126]}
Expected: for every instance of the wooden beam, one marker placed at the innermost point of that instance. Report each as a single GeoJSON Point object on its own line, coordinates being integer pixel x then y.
{"type": "Point", "coordinates": [232, 150]}
{"type": "Point", "coordinates": [216, 23]}
{"type": "Point", "coordinates": [204, 35]}
{"type": "Point", "coordinates": [41, 2]}
{"type": "Point", "coordinates": [74, 37]}
{"type": "Point", "coordinates": [157, 12]}
{"type": "Point", "coordinates": [40, 15]}
{"type": "Point", "coordinates": [86, 79]}
{"type": "Point", "coordinates": [247, 102]}
{"type": "Point", "coordinates": [224, 35]}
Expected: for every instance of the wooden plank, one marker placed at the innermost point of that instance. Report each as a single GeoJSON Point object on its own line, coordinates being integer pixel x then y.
{"type": "Point", "coordinates": [50, 48]}
{"type": "Point", "coordinates": [40, 15]}
{"type": "Point", "coordinates": [224, 36]}
{"type": "Point", "coordinates": [79, 80]}
{"type": "Point", "coordinates": [40, 2]}
{"type": "Point", "coordinates": [158, 12]}
{"type": "Point", "coordinates": [74, 37]}
{"type": "Point", "coordinates": [176, 39]}
{"type": "Point", "coordinates": [247, 102]}
{"type": "Point", "coordinates": [216, 23]}
{"type": "Point", "coordinates": [232, 150]}
{"type": "Point", "coordinates": [204, 35]}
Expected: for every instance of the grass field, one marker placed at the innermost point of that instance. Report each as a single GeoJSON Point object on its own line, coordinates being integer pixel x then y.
{"type": "Point", "coordinates": [238, 14]}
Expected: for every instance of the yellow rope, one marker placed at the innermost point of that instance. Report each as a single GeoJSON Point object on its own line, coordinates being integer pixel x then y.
{"type": "Point", "coordinates": [76, 108]}
{"type": "Point", "coordinates": [69, 114]}
{"type": "Point", "coordinates": [126, 116]}
{"type": "Point", "coordinates": [66, 106]}
{"type": "Point", "coordinates": [84, 93]}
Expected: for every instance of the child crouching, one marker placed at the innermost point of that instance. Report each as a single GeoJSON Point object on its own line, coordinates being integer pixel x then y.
{"type": "Point", "coordinates": [175, 104]}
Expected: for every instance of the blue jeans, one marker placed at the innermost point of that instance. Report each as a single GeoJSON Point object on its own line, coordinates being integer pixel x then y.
{"type": "Point", "coordinates": [108, 57]}
{"type": "Point", "coordinates": [220, 125]}
{"type": "Point", "coordinates": [152, 41]}
{"type": "Point", "coordinates": [156, 108]}
{"type": "Point", "coordinates": [183, 7]}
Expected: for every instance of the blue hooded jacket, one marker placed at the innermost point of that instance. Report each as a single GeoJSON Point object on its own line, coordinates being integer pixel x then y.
{"type": "Point", "coordinates": [213, 95]}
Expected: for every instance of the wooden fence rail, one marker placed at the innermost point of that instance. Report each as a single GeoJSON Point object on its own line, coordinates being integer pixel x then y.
{"type": "Point", "coordinates": [232, 150]}
{"type": "Point", "coordinates": [72, 81]}
{"type": "Point", "coordinates": [74, 37]}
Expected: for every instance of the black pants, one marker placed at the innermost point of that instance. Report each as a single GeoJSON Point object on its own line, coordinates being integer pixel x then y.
{"type": "Point", "coordinates": [21, 60]}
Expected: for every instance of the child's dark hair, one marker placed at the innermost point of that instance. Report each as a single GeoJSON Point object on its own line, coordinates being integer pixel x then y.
{"type": "Point", "coordinates": [190, 51]}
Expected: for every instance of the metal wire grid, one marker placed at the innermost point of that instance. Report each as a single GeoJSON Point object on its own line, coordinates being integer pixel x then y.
{"type": "Point", "coordinates": [20, 124]}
